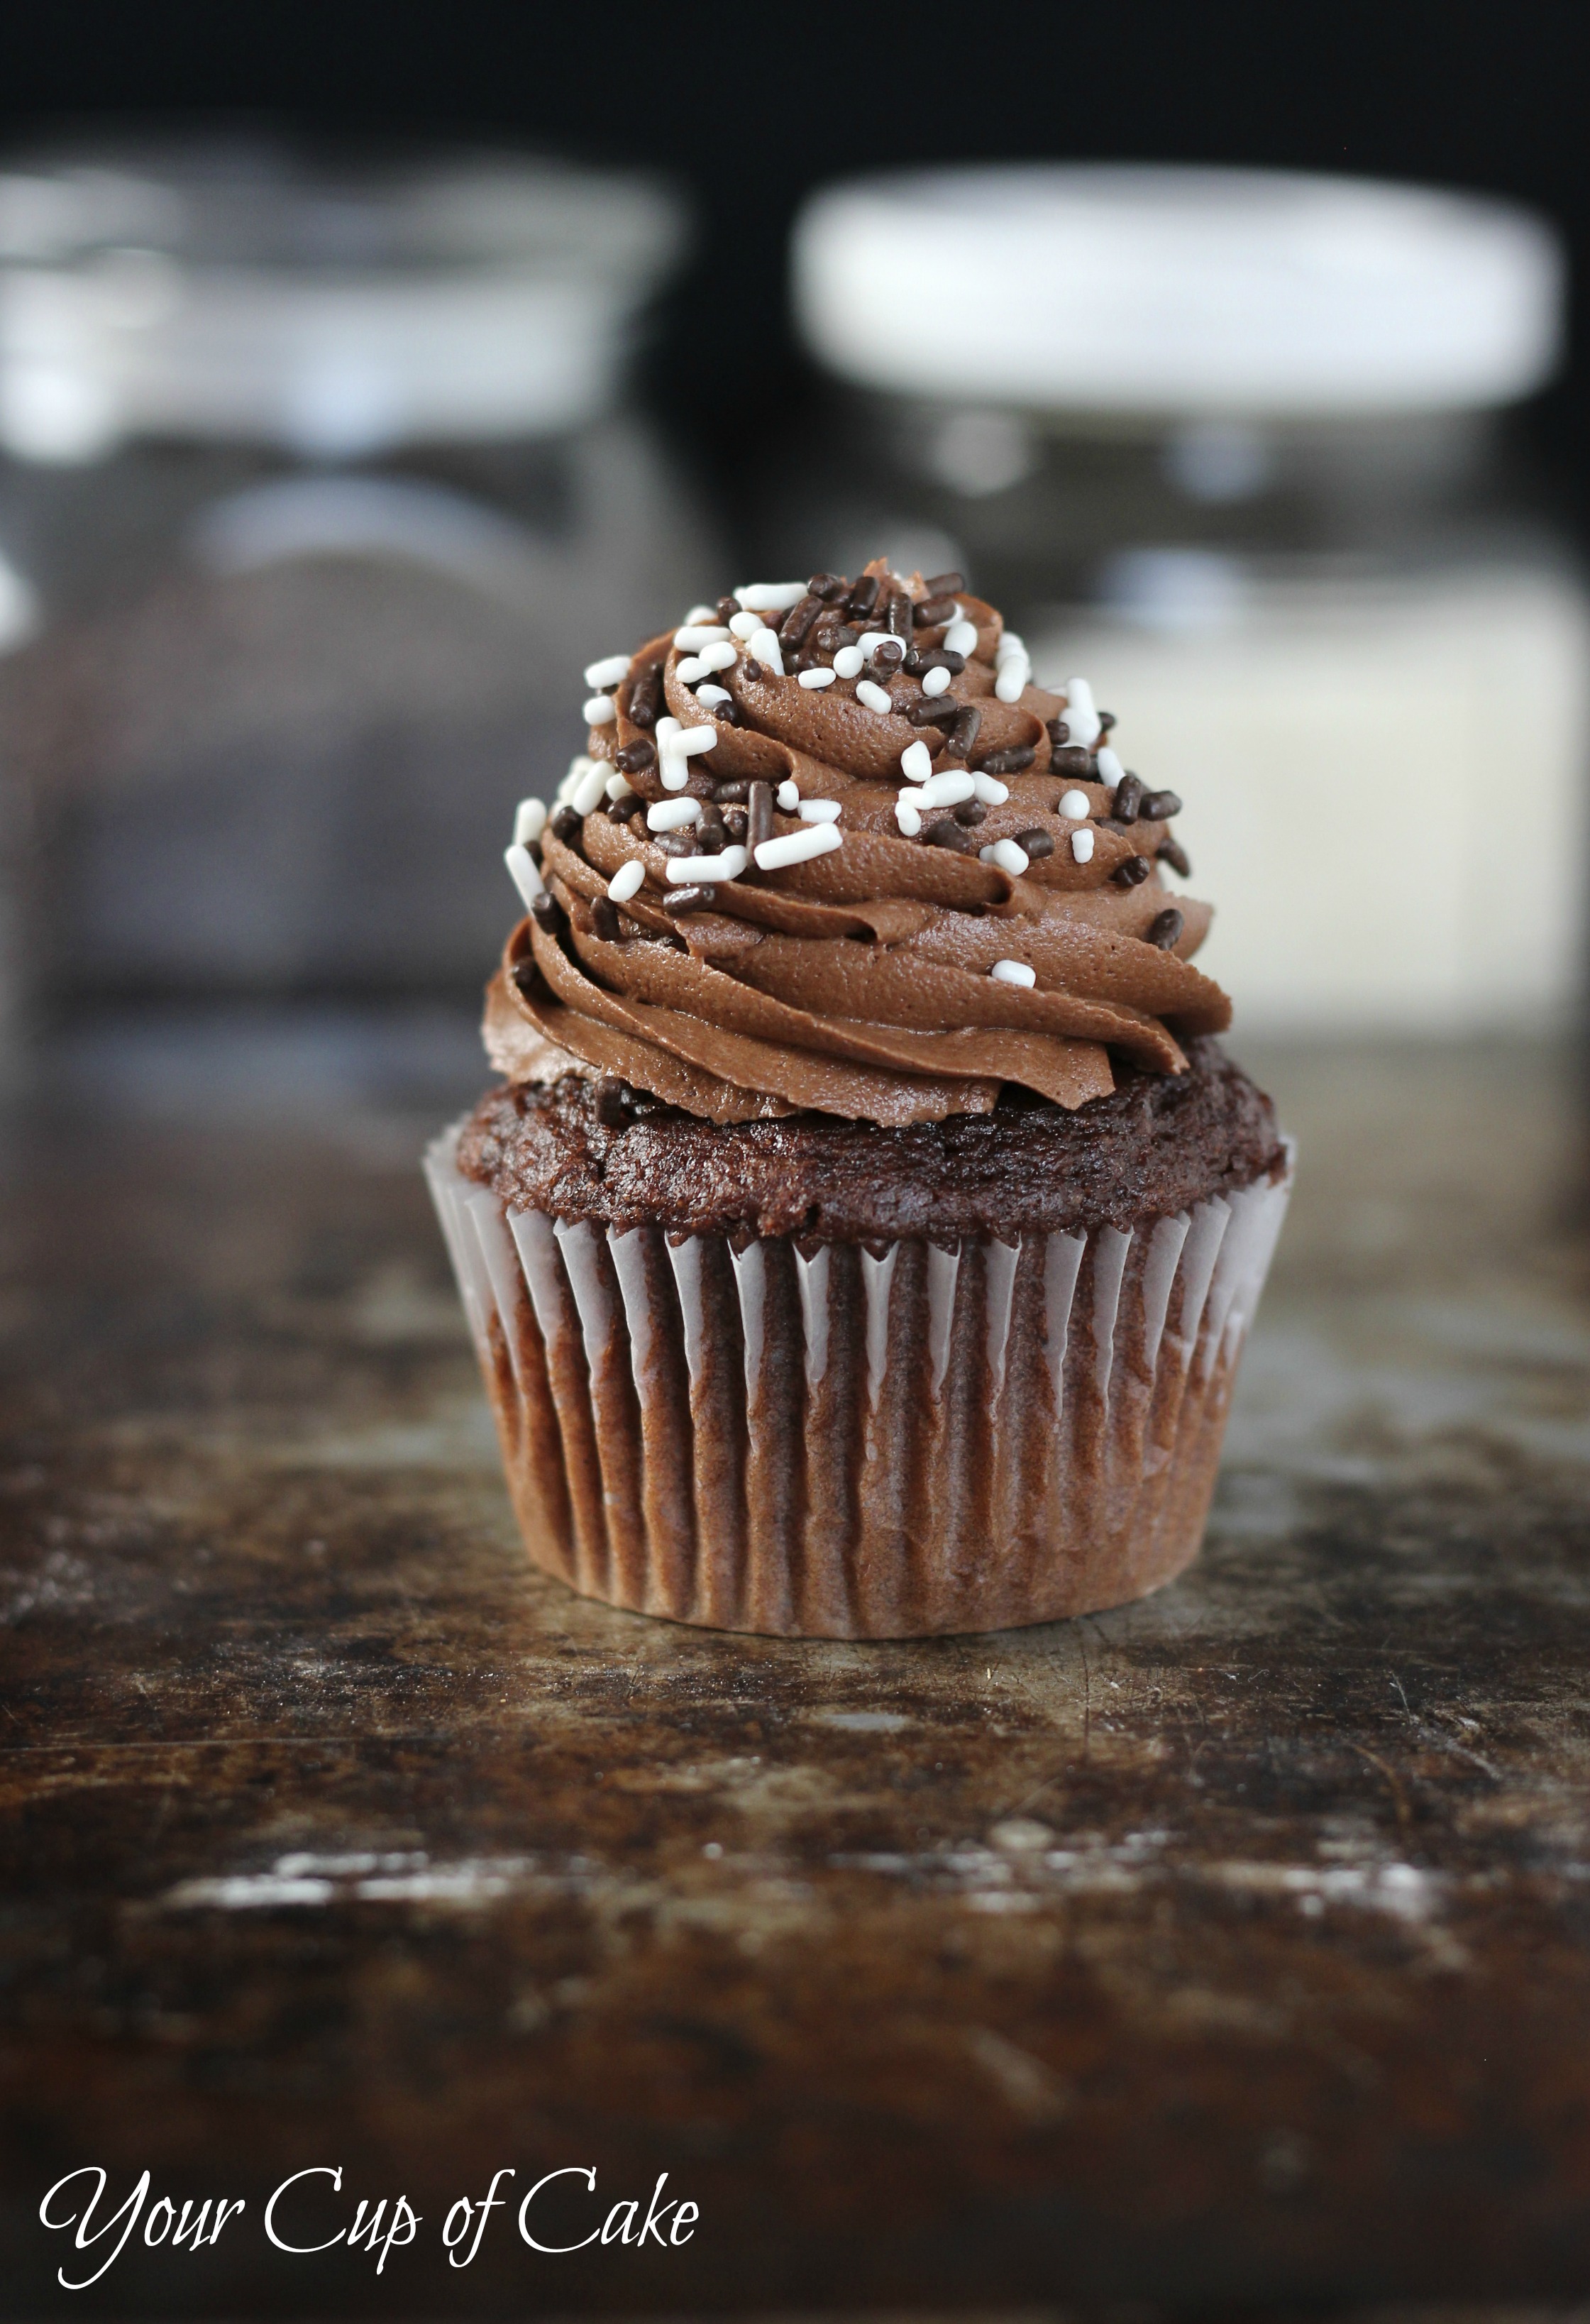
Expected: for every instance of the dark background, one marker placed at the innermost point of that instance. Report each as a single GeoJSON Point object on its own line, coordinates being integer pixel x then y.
{"type": "Point", "coordinates": [753, 104]}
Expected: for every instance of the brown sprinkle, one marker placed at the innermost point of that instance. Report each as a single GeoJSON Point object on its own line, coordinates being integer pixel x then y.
{"type": "Point", "coordinates": [1037, 842]}
{"type": "Point", "coordinates": [1132, 872]}
{"type": "Point", "coordinates": [758, 822]}
{"type": "Point", "coordinates": [626, 805]}
{"type": "Point", "coordinates": [1128, 800]}
{"type": "Point", "coordinates": [636, 756]}
{"type": "Point", "coordinates": [948, 834]}
{"type": "Point", "coordinates": [862, 597]}
{"type": "Point", "coordinates": [547, 914]}
{"type": "Point", "coordinates": [604, 919]}
{"type": "Point", "coordinates": [731, 794]}
{"type": "Point", "coordinates": [1072, 760]}
{"type": "Point", "coordinates": [1165, 929]}
{"type": "Point", "coordinates": [933, 613]}
{"type": "Point", "coordinates": [1170, 852]}
{"type": "Point", "coordinates": [727, 609]}
{"type": "Point", "coordinates": [971, 812]}
{"type": "Point", "coordinates": [799, 619]}
{"type": "Point", "coordinates": [566, 825]}
{"type": "Point", "coordinates": [1107, 719]}
{"type": "Point", "coordinates": [945, 585]}
{"type": "Point", "coordinates": [1058, 732]}
{"type": "Point", "coordinates": [829, 586]}
{"type": "Point", "coordinates": [1158, 806]}
{"type": "Point", "coordinates": [899, 617]}
{"type": "Point", "coordinates": [645, 696]}
{"type": "Point", "coordinates": [736, 822]}
{"type": "Point", "coordinates": [679, 901]}
{"type": "Point", "coordinates": [963, 733]}
{"type": "Point", "coordinates": [1012, 760]}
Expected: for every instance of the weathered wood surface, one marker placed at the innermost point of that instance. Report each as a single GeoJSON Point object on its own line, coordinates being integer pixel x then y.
{"type": "Point", "coordinates": [1232, 1948]}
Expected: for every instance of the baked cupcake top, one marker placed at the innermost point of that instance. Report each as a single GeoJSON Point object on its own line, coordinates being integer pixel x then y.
{"type": "Point", "coordinates": [829, 849]}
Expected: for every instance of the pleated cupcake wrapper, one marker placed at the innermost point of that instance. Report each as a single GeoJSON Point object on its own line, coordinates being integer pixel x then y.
{"type": "Point", "coordinates": [858, 1441]}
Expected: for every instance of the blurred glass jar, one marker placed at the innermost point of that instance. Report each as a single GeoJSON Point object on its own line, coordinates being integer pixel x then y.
{"type": "Point", "coordinates": [318, 491]}
{"type": "Point", "coordinates": [1229, 444]}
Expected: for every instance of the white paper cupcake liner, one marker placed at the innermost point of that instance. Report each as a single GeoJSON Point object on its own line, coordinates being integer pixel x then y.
{"type": "Point", "coordinates": [858, 1441]}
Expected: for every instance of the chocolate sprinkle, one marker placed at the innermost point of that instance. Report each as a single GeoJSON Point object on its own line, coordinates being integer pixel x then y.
{"type": "Point", "coordinates": [566, 825]}
{"type": "Point", "coordinates": [1072, 760]}
{"type": "Point", "coordinates": [963, 733]}
{"type": "Point", "coordinates": [1129, 875]}
{"type": "Point", "coordinates": [971, 812]}
{"type": "Point", "coordinates": [731, 794]}
{"type": "Point", "coordinates": [1128, 800]}
{"type": "Point", "coordinates": [1158, 806]}
{"type": "Point", "coordinates": [547, 913]}
{"type": "Point", "coordinates": [727, 609]}
{"type": "Point", "coordinates": [933, 613]}
{"type": "Point", "coordinates": [1170, 852]}
{"type": "Point", "coordinates": [679, 901]}
{"type": "Point", "coordinates": [646, 695]}
{"type": "Point", "coordinates": [799, 619]}
{"type": "Point", "coordinates": [829, 586]}
{"type": "Point", "coordinates": [1037, 842]}
{"type": "Point", "coordinates": [636, 756]}
{"type": "Point", "coordinates": [604, 918]}
{"type": "Point", "coordinates": [899, 617]}
{"type": "Point", "coordinates": [759, 816]}
{"type": "Point", "coordinates": [862, 597]}
{"type": "Point", "coordinates": [1058, 732]}
{"type": "Point", "coordinates": [1013, 759]}
{"type": "Point", "coordinates": [948, 834]}
{"type": "Point", "coordinates": [612, 1104]}
{"type": "Point", "coordinates": [945, 585]}
{"type": "Point", "coordinates": [1165, 929]}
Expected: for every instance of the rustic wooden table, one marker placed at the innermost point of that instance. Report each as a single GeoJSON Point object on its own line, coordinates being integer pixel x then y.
{"type": "Point", "coordinates": [1229, 1951]}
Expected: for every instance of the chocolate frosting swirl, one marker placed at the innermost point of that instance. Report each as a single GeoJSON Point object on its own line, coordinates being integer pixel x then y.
{"type": "Point", "coordinates": [856, 983]}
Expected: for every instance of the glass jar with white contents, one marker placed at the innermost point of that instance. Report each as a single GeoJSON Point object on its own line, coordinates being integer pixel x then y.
{"type": "Point", "coordinates": [1232, 445]}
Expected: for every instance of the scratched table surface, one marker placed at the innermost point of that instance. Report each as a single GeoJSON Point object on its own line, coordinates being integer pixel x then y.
{"type": "Point", "coordinates": [1228, 1952]}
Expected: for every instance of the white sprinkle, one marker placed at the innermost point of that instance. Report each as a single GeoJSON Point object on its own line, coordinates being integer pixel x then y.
{"type": "Point", "coordinates": [1014, 674]}
{"type": "Point", "coordinates": [960, 638]}
{"type": "Point", "coordinates": [579, 765]}
{"type": "Point", "coordinates": [949, 788]}
{"type": "Point", "coordinates": [1006, 854]}
{"type": "Point", "coordinates": [665, 730]}
{"type": "Point", "coordinates": [616, 786]}
{"type": "Point", "coordinates": [590, 790]}
{"type": "Point", "coordinates": [746, 625]}
{"type": "Point", "coordinates": [690, 671]}
{"type": "Point", "coordinates": [699, 614]}
{"type": "Point", "coordinates": [691, 739]}
{"type": "Point", "coordinates": [814, 680]}
{"type": "Point", "coordinates": [874, 698]}
{"type": "Point", "coordinates": [906, 817]}
{"type": "Point", "coordinates": [684, 869]}
{"type": "Point", "coordinates": [1010, 642]}
{"type": "Point", "coordinates": [720, 656]}
{"type": "Point", "coordinates": [1076, 805]}
{"type": "Point", "coordinates": [797, 846]}
{"type": "Point", "coordinates": [763, 647]}
{"type": "Point", "coordinates": [786, 798]}
{"type": "Point", "coordinates": [601, 710]}
{"type": "Point", "coordinates": [526, 879]}
{"type": "Point", "coordinates": [1083, 845]}
{"type": "Point", "coordinates": [692, 637]}
{"type": "Point", "coordinates": [937, 681]}
{"type": "Point", "coordinates": [530, 821]}
{"type": "Point", "coordinates": [1080, 717]}
{"type": "Point", "coordinates": [627, 881]}
{"type": "Point", "coordinates": [916, 762]}
{"type": "Point", "coordinates": [1110, 769]}
{"type": "Point", "coordinates": [818, 810]}
{"type": "Point", "coordinates": [610, 670]}
{"type": "Point", "coordinates": [848, 663]}
{"type": "Point", "coordinates": [771, 596]}
{"type": "Point", "coordinates": [673, 773]}
{"type": "Point", "coordinates": [711, 695]}
{"type": "Point", "coordinates": [989, 789]}
{"type": "Point", "coordinates": [1012, 971]}
{"type": "Point", "coordinates": [672, 815]}
{"type": "Point", "coordinates": [913, 797]}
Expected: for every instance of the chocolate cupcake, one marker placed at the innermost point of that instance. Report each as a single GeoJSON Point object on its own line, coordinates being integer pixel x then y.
{"type": "Point", "coordinates": [862, 1239]}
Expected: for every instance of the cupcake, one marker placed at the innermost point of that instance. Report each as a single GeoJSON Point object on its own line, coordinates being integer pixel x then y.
{"type": "Point", "coordinates": [861, 1239]}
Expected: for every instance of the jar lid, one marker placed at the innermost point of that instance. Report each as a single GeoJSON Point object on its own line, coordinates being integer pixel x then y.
{"type": "Point", "coordinates": [234, 289]}
{"type": "Point", "coordinates": [1167, 291]}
